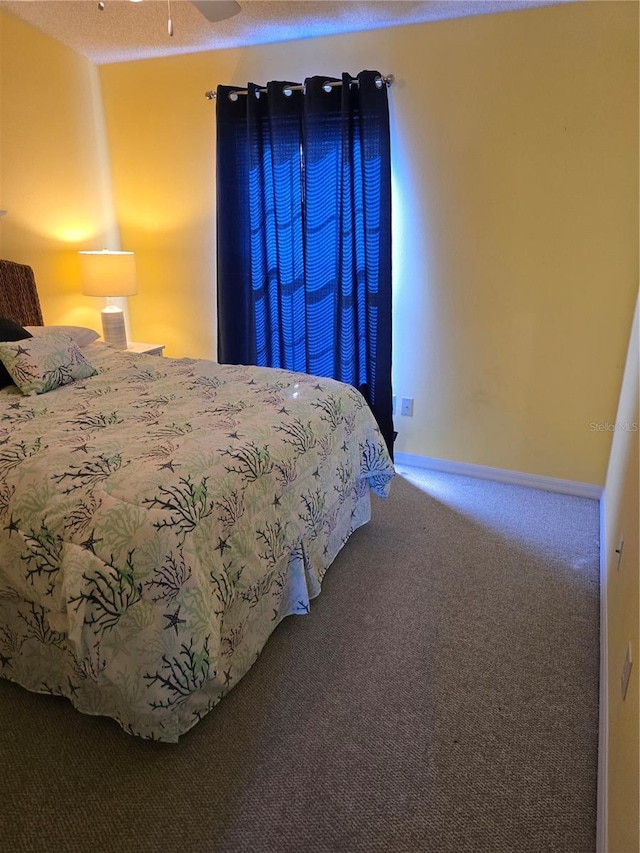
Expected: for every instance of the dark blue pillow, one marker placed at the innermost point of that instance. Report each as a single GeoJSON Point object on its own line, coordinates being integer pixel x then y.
{"type": "Point", "coordinates": [10, 331]}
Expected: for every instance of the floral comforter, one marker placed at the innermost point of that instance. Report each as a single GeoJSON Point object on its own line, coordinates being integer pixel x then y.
{"type": "Point", "coordinates": [159, 519]}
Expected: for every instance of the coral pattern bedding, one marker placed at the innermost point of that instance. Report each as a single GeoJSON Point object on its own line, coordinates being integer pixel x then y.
{"type": "Point", "coordinates": [158, 519]}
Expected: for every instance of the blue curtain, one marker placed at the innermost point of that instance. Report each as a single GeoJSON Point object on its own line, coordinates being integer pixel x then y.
{"type": "Point", "coordinates": [304, 232]}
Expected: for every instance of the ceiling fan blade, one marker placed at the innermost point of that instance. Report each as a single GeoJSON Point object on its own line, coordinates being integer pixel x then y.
{"type": "Point", "coordinates": [217, 10]}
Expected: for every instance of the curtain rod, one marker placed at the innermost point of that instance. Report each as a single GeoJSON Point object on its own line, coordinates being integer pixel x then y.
{"type": "Point", "coordinates": [386, 79]}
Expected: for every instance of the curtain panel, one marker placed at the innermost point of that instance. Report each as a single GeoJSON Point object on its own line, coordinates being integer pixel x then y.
{"type": "Point", "coordinates": [304, 232]}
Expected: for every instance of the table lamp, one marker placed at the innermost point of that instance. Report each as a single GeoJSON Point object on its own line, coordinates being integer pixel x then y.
{"type": "Point", "coordinates": [110, 274]}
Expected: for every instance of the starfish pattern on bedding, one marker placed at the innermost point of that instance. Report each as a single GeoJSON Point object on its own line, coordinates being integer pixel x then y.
{"type": "Point", "coordinates": [90, 543]}
{"type": "Point", "coordinates": [222, 545]}
{"type": "Point", "coordinates": [12, 527]}
{"type": "Point", "coordinates": [174, 620]}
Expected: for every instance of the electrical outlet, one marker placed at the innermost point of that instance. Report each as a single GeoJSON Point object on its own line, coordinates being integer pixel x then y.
{"type": "Point", "coordinates": [626, 671]}
{"type": "Point", "coordinates": [619, 552]}
{"type": "Point", "coordinates": [406, 407]}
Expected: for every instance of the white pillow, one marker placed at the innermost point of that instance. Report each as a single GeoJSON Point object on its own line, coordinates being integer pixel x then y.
{"type": "Point", "coordinates": [78, 334]}
{"type": "Point", "coordinates": [44, 362]}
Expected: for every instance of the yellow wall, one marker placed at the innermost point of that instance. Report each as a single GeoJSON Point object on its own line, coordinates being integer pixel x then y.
{"type": "Point", "coordinates": [515, 169]}
{"type": "Point", "coordinates": [621, 595]}
{"type": "Point", "coordinates": [54, 176]}
{"type": "Point", "coordinates": [515, 160]}
{"type": "Point", "coordinates": [161, 138]}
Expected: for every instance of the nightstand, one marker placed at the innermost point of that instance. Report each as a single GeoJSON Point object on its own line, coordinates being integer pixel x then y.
{"type": "Point", "coordinates": [147, 349]}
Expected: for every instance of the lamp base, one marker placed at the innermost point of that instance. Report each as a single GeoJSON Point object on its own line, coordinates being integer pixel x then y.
{"type": "Point", "coordinates": [113, 328]}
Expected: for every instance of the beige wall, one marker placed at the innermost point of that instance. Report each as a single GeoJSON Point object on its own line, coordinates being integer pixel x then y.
{"type": "Point", "coordinates": [54, 176]}
{"type": "Point", "coordinates": [515, 163]}
{"type": "Point", "coordinates": [621, 597]}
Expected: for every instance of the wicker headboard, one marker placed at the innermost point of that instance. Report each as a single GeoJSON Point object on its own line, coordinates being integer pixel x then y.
{"type": "Point", "coordinates": [19, 295]}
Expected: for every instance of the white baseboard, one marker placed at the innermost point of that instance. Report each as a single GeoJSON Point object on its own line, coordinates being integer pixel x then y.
{"type": "Point", "coordinates": [501, 475]}
{"type": "Point", "coordinates": [603, 728]}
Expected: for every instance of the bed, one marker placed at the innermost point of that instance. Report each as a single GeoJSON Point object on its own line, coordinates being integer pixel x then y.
{"type": "Point", "coordinates": [159, 517]}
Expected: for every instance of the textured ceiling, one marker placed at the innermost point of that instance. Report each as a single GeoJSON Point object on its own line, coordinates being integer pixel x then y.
{"type": "Point", "coordinates": [124, 31]}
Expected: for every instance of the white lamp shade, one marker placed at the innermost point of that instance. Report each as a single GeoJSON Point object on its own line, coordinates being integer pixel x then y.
{"type": "Point", "coordinates": [108, 273]}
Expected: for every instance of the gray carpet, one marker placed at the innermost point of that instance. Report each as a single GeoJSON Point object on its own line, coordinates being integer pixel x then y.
{"type": "Point", "coordinates": [442, 697]}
